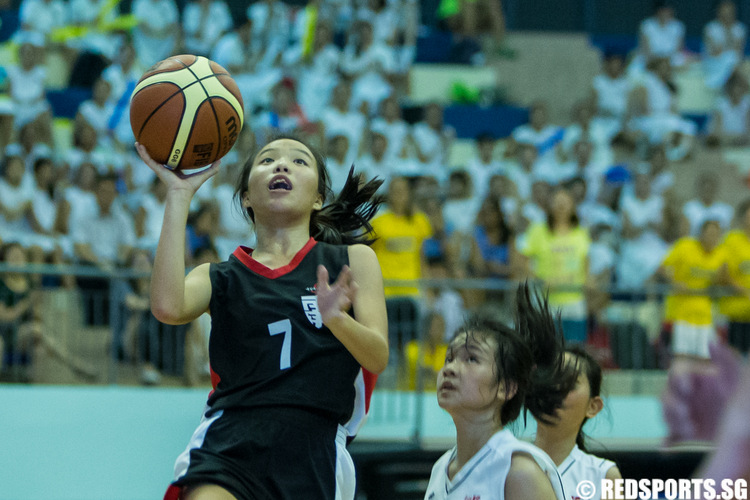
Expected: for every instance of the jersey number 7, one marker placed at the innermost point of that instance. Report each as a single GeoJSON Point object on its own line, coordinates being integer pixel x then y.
{"type": "Point", "coordinates": [283, 326]}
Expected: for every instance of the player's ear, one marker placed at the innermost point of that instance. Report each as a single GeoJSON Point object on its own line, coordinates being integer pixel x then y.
{"type": "Point", "coordinates": [246, 199]}
{"type": "Point", "coordinates": [595, 406]}
{"type": "Point", "coordinates": [318, 203]}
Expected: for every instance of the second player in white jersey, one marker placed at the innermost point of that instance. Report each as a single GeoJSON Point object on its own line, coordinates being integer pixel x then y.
{"type": "Point", "coordinates": [562, 437]}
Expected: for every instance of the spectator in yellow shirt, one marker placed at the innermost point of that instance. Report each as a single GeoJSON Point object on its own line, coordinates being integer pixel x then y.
{"type": "Point", "coordinates": [425, 358]}
{"type": "Point", "coordinates": [557, 253]}
{"type": "Point", "coordinates": [691, 267]}
{"type": "Point", "coordinates": [737, 253]}
{"type": "Point", "coordinates": [400, 232]}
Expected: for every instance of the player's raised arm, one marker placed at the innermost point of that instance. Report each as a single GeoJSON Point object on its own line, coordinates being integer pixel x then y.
{"type": "Point", "coordinates": [175, 298]}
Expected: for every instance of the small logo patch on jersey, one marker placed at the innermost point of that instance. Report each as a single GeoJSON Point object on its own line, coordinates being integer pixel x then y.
{"type": "Point", "coordinates": [310, 308]}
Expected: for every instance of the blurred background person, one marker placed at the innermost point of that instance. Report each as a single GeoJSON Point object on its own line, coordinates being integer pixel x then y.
{"type": "Point", "coordinates": [691, 267]}
{"type": "Point", "coordinates": [557, 253]}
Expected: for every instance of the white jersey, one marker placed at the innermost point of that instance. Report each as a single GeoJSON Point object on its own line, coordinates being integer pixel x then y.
{"type": "Point", "coordinates": [581, 466]}
{"type": "Point", "coordinates": [484, 475]}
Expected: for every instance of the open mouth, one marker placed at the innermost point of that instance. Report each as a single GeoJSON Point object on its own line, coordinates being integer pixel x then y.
{"type": "Point", "coordinates": [447, 386]}
{"type": "Point", "coordinates": [280, 183]}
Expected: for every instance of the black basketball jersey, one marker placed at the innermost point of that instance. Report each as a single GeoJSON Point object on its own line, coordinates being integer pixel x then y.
{"type": "Point", "coordinates": [268, 345]}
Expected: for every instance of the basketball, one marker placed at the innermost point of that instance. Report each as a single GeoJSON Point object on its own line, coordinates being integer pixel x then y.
{"type": "Point", "coordinates": [187, 111]}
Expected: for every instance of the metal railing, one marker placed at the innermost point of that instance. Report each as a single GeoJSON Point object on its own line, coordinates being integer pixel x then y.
{"type": "Point", "coordinates": [87, 326]}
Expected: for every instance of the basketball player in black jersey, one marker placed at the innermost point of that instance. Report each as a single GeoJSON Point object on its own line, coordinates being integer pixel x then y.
{"type": "Point", "coordinates": [291, 354]}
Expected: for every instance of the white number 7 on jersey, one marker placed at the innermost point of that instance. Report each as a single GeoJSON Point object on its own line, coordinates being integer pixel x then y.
{"type": "Point", "coordinates": [284, 326]}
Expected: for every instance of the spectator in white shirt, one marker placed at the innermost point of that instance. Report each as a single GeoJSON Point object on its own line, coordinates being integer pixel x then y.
{"type": "Point", "coordinates": [541, 134]}
{"type": "Point", "coordinates": [369, 63]}
{"type": "Point", "coordinates": [384, 19]}
{"type": "Point", "coordinates": [655, 119]}
{"type": "Point", "coordinates": [461, 205]}
{"type": "Point", "coordinates": [85, 150]}
{"type": "Point", "coordinates": [581, 165]}
{"type": "Point", "coordinates": [521, 169]}
{"type": "Point", "coordinates": [122, 75]}
{"type": "Point", "coordinates": [706, 206]}
{"type": "Point", "coordinates": [483, 164]}
{"type": "Point", "coordinates": [243, 57]}
{"type": "Point", "coordinates": [374, 162]}
{"type": "Point", "coordinates": [92, 16]}
{"type": "Point", "coordinates": [431, 140]}
{"type": "Point", "coordinates": [16, 196]}
{"type": "Point", "coordinates": [730, 121]}
{"type": "Point", "coordinates": [42, 17]}
{"type": "Point", "coordinates": [44, 218]}
{"type": "Point", "coordinates": [611, 90]}
{"type": "Point", "coordinates": [336, 161]}
{"type": "Point", "coordinates": [642, 248]}
{"type": "Point", "coordinates": [271, 29]}
{"type": "Point", "coordinates": [26, 82]}
{"type": "Point", "coordinates": [104, 238]}
{"type": "Point", "coordinates": [642, 211]}
{"type": "Point", "coordinates": [98, 111]}
{"type": "Point", "coordinates": [659, 36]}
{"type": "Point", "coordinates": [316, 72]}
{"type": "Point", "coordinates": [155, 36]}
{"type": "Point", "coordinates": [394, 126]}
{"type": "Point", "coordinates": [340, 118]}
{"type": "Point", "coordinates": [79, 198]}
{"type": "Point", "coordinates": [203, 23]}
{"type": "Point", "coordinates": [724, 45]}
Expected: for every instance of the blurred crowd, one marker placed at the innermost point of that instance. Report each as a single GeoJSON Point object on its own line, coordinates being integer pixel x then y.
{"type": "Point", "coordinates": [584, 207]}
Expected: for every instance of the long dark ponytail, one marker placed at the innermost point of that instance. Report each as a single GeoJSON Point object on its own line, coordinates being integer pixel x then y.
{"type": "Point", "coordinates": [346, 218]}
{"type": "Point", "coordinates": [530, 358]}
{"type": "Point", "coordinates": [551, 379]}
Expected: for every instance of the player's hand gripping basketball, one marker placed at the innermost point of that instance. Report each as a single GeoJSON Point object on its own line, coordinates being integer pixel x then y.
{"type": "Point", "coordinates": [175, 179]}
{"type": "Point", "coordinates": [335, 300]}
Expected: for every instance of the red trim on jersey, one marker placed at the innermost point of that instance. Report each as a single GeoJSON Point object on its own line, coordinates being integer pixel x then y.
{"type": "Point", "coordinates": [173, 492]}
{"type": "Point", "coordinates": [369, 379]}
{"type": "Point", "coordinates": [215, 379]}
{"type": "Point", "coordinates": [244, 254]}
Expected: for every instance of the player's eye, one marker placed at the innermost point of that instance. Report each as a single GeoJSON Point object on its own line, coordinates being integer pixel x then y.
{"type": "Point", "coordinates": [300, 161]}
{"type": "Point", "coordinates": [266, 160]}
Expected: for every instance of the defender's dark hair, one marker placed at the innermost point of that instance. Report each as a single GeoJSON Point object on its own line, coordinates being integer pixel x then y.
{"type": "Point", "coordinates": [552, 379]}
{"type": "Point", "coordinates": [346, 219]}
{"type": "Point", "coordinates": [529, 358]}
{"type": "Point", "coordinates": [586, 365]}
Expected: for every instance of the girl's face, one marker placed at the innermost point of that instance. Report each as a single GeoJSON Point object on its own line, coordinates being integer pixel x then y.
{"type": "Point", "coordinates": [283, 178]}
{"type": "Point", "coordinates": [44, 175]}
{"type": "Point", "coordinates": [489, 214]}
{"type": "Point", "coordinates": [710, 235]}
{"type": "Point", "coordinates": [14, 171]}
{"type": "Point", "coordinates": [101, 91]}
{"type": "Point", "coordinates": [390, 109]}
{"type": "Point", "coordinates": [578, 404]}
{"type": "Point", "coordinates": [562, 204]}
{"type": "Point", "coordinates": [399, 195]}
{"type": "Point", "coordinates": [15, 256]}
{"type": "Point", "coordinates": [468, 383]}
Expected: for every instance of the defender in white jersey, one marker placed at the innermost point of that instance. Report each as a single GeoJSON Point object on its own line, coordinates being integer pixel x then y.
{"type": "Point", "coordinates": [562, 437]}
{"type": "Point", "coordinates": [490, 372]}
{"type": "Point", "coordinates": [485, 474]}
